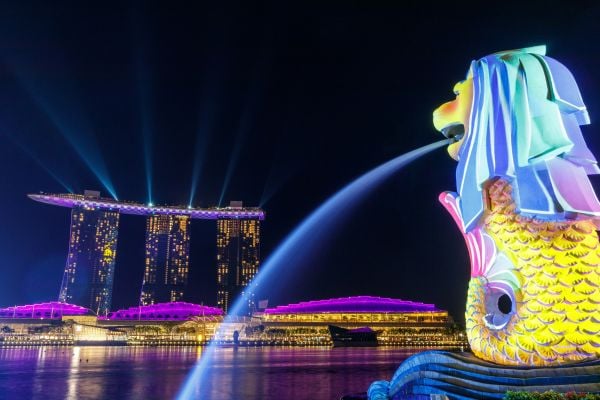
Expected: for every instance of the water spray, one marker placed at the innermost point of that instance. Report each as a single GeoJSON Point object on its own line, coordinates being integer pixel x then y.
{"type": "Point", "coordinates": [302, 239]}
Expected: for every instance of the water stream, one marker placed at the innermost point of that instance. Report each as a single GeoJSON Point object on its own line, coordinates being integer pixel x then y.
{"type": "Point", "coordinates": [306, 236]}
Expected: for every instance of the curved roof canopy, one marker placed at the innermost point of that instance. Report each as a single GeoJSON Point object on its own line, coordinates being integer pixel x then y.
{"type": "Point", "coordinates": [356, 304]}
{"type": "Point", "coordinates": [175, 311]}
{"type": "Point", "coordinates": [48, 310]}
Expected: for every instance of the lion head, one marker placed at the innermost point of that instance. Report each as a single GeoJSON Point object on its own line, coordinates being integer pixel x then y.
{"type": "Point", "coordinates": [516, 116]}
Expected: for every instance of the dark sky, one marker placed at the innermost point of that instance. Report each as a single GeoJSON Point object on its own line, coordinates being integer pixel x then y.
{"type": "Point", "coordinates": [291, 101]}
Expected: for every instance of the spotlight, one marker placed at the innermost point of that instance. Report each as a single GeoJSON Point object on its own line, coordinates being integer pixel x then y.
{"type": "Point", "coordinates": [150, 204]}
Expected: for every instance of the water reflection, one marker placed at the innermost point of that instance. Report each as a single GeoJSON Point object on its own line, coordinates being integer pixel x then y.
{"type": "Point", "coordinates": [157, 372]}
{"type": "Point", "coordinates": [73, 372]}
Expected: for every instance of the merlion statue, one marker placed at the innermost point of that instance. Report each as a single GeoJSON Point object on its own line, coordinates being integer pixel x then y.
{"type": "Point", "coordinates": [528, 213]}
{"type": "Point", "coordinates": [527, 210]}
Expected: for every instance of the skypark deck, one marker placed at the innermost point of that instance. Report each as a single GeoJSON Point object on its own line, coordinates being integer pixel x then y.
{"type": "Point", "coordinates": [77, 200]}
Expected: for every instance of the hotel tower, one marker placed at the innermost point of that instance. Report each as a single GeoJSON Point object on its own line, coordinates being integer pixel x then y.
{"type": "Point", "coordinates": [167, 258]}
{"type": "Point", "coordinates": [90, 268]}
{"type": "Point", "coordinates": [238, 258]}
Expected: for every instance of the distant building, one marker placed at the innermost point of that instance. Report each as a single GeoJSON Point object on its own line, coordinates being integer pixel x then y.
{"type": "Point", "coordinates": [52, 310]}
{"type": "Point", "coordinates": [238, 259]}
{"type": "Point", "coordinates": [397, 322]}
{"type": "Point", "coordinates": [172, 311]}
{"type": "Point", "coordinates": [167, 258]}
{"type": "Point", "coordinates": [89, 272]}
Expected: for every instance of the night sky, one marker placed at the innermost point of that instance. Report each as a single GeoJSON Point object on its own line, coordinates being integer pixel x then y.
{"type": "Point", "coordinates": [275, 104]}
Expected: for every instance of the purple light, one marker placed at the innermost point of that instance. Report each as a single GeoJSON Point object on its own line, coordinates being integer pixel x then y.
{"type": "Point", "coordinates": [175, 311]}
{"type": "Point", "coordinates": [356, 304]}
{"type": "Point", "coordinates": [76, 200]}
{"type": "Point", "coordinates": [49, 310]}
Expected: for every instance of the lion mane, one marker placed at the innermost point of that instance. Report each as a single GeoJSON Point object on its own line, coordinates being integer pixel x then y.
{"type": "Point", "coordinates": [524, 127]}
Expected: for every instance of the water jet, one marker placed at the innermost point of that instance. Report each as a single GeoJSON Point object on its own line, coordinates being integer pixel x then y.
{"type": "Point", "coordinates": [303, 238]}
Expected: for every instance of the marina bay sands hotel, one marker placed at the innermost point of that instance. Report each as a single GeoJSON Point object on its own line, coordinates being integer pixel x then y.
{"type": "Point", "coordinates": [90, 267]}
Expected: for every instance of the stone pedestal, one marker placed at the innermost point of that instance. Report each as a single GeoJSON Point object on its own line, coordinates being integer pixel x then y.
{"type": "Point", "coordinates": [463, 376]}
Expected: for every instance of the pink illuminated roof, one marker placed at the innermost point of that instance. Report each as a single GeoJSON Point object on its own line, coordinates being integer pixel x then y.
{"type": "Point", "coordinates": [356, 304]}
{"type": "Point", "coordinates": [76, 200]}
{"type": "Point", "coordinates": [175, 311]}
{"type": "Point", "coordinates": [49, 310]}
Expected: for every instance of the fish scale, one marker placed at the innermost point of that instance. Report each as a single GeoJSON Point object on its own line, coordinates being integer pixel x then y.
{"type": "Point", "coordinates": [557, 318]}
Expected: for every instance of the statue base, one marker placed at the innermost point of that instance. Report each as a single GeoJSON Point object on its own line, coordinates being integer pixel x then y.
{"type": "Point", "coordinates": [463, 376]}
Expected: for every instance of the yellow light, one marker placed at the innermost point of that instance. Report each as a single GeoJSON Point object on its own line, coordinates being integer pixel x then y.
{"type": "Point", "coordinates": [556, 319]}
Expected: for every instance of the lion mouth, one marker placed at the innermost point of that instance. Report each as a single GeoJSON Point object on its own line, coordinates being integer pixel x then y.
{"type": "Point", "coordinates": [454, 131]}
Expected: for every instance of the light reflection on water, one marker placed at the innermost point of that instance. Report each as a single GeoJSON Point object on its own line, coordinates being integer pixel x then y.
{"type": "Point", "coordinates": [157, 372]}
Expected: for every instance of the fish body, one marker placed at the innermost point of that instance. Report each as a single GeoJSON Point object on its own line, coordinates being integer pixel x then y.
{"type": "Point", "coordinates": [549, 270]}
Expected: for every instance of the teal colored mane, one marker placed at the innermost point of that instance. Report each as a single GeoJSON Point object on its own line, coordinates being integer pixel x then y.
{"type": "Point", "coordinates": [524, 127]}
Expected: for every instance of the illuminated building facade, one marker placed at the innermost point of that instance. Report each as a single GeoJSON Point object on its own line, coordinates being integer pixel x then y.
{"type": "Point", "coordinates": [167, 258]}
{"type": "Point", "coordinates": [92, 248]}
{"type": "Point", "coordinates": [238, 258]}
{"type": "Point", "coordinates": [49, 310]}
{"type": "Point", "coordinates": [171, 311]}
{"type": "Point", "coordinates": [398, 322]}
{"type": "Point", "coordinates": [89, 272]}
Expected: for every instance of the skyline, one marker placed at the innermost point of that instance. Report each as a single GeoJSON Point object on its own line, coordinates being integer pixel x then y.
{"type": "Point", "coordinates": [279, 117]}
{"type": "Point", "coordinates": [93, 236]}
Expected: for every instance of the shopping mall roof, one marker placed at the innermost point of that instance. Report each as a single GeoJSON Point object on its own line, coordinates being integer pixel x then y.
{"type": "Point", "coordinates": [356, 304]}
{"type": "Point", "coordinates": [175, 311]}
{"type": "Point", "coordinates": [49, 310]}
